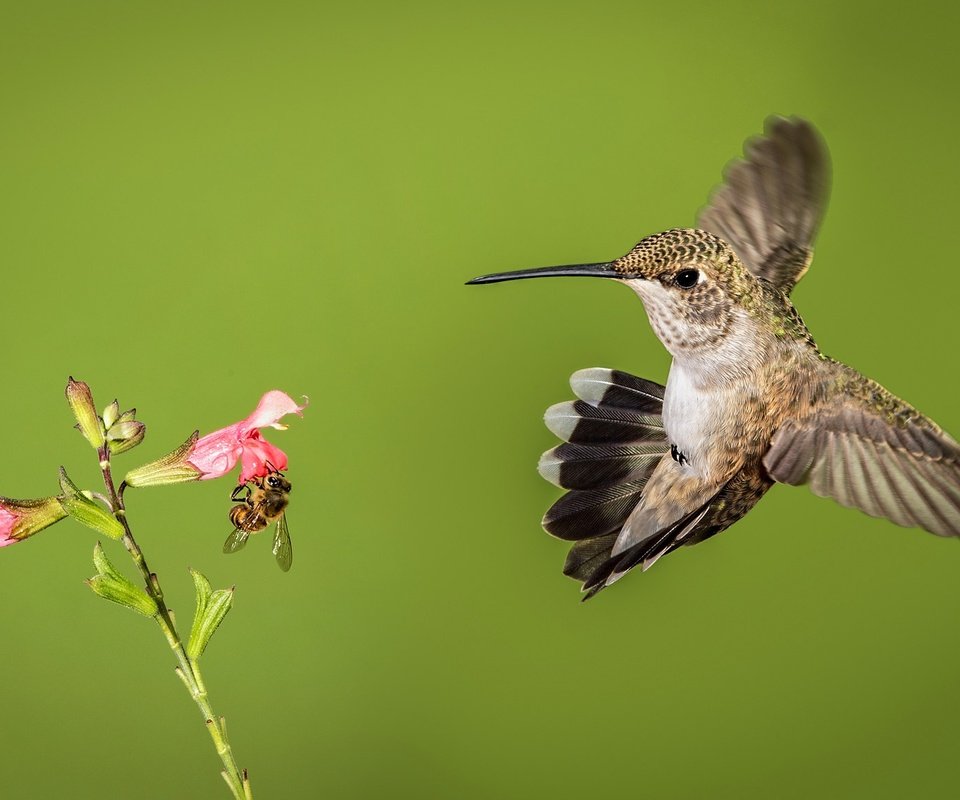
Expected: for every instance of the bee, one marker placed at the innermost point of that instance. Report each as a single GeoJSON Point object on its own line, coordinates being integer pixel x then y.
{"type": "Point", "coordinates": [264, 503]}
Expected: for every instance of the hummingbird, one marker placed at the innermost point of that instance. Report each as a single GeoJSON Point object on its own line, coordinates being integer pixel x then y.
{"type": "Point", "coordinates": [749, 400]}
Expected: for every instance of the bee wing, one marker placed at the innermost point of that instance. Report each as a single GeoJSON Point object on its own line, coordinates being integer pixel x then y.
{"type": "Point", "coordinates": [236, 540]}
{"type": "Point", "coordinates": [282, 548]}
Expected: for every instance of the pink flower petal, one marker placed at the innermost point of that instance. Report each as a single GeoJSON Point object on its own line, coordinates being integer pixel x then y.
{"type": "Point", "coordinates": [7, 521]}
{"type": "Point", "coordinates": [216, 453]}
{"type": "Point", "coordinates": [273, 406]}
{"type": "Point", "coordinates": [259, 457]}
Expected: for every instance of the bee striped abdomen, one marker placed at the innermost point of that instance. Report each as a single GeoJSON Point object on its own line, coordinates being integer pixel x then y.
{"type": "Point", "coordinates": [245, 518]}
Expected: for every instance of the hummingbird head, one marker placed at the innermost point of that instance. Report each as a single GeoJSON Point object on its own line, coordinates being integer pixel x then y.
{"type": "Point", "coordinates": [695, 290]}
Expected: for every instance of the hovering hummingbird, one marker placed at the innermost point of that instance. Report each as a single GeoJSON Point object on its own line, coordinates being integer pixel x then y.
{"type": "Point", "coordinates": [750, 400]}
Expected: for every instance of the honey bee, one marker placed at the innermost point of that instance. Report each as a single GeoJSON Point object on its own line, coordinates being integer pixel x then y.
{"type": "Point", "coordinates": [264, 503]}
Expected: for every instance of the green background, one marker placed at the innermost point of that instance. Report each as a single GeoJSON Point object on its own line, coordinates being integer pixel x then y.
{"type": "Point", "coordinates": [201, 202]}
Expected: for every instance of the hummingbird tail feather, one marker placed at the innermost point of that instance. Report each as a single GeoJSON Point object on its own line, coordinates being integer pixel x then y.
{"type": "Point", "coordinates": [613, 439]}
{"type": "Point", "coordinates": [586, 556]}
{"type": "Point", "coordinates": [591, 513]}
{"type": "Point", "coordinates": [611, 388]}
{"type": "Point", "coordinates": [646, 553]}
{"type": "Point", "coordinates": [579, 422]}
{"type": "Point", "coordinates": [581, 466]}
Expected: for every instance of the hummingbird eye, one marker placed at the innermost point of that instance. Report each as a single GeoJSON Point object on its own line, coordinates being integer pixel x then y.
{"type": "Point", "coordinates": [687, 278]}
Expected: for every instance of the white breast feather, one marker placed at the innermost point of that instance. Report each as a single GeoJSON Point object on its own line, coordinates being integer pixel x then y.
{"type": "Point", "coordinates": [687, 410]}
{"type": "Point", "coordinates": [700, 388]}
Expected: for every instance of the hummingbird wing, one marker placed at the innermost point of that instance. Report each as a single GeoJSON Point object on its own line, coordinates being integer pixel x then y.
{"type": "Point", "coordinates": [872, 451]}
{"type": "Point", "coordinates": [772, 201]}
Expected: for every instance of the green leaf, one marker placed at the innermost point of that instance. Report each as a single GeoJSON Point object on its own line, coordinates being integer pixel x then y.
{"type": "Point", "coordinates": [212, 607]}
{"type": "Point", "coordinates": [103, 565]}
{"type": "Point", "coordinates": [124, 593]}
{"type": "Point", "coordinates": [204, 590]}
{"type": "Point", "coordinates": [85, 510]}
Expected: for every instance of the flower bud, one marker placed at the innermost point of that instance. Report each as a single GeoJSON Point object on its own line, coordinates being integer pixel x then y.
{"type": "Point", "coordinates": [123, 436]}
{"type": "Point", "coordinates": [171, 468]}
{"type": "Point", "coordinates": [123, 432]}
{"type": "Point", "coordinates": [22, 518]}
{"type": "Point", "coordinates": [81, 403]}
{"type": "Point", "coordinates": [110, 414]}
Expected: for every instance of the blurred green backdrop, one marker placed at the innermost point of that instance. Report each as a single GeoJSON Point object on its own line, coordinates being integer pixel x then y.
{"type": "Point", "coordinates": [203, 201]}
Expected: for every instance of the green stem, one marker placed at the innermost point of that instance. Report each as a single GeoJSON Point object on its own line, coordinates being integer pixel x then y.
{"type": "Point", "coordinates": [187, 669]}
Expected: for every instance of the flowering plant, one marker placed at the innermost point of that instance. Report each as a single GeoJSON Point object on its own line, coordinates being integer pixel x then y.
{"type": "Point", "coordinates": [199, 458]}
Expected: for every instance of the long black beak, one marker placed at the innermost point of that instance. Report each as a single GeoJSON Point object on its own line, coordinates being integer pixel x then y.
{"type": "Point", "coordinates": [601, 270]}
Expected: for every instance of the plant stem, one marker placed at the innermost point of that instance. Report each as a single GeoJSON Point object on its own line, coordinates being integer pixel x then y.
{"type": "Point", "coordinates": [187, 669]}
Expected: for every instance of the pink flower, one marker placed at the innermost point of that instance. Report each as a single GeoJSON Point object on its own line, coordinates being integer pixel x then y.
{"type": "Point", "coordinates": [217, 453]}
{"type": "Point", "coordinates": [22, 518]}
{"type": "Point", "coordinates": [7, 521]}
